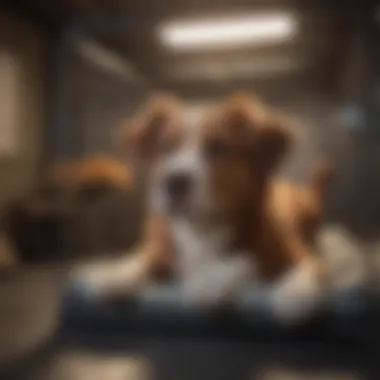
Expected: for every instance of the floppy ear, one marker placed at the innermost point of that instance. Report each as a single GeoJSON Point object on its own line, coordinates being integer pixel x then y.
{"type": "Point", "coordinates": [274, 140]}
{"type": "Point", "coordinates": [268, 134]}
{"type": "Point", "coordinates": [141, 135]}
{"type": "Point", "coordinates": [239, 118]}
{"type": "Point", "coordinates": [242, 113]}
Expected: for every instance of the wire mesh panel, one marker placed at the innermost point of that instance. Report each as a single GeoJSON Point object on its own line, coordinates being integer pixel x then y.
{"type": "Point", "coordinates": [87, 201]}
{"type": "Point", "coordinates": [105, 89]}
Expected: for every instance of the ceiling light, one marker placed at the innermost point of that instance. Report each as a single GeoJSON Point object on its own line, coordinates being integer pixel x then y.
{"type": "Point", "coordinates": [221, 33]}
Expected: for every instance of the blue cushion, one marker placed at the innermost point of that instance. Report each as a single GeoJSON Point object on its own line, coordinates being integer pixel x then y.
{"type": "Point", "coordinates": [351, 313]}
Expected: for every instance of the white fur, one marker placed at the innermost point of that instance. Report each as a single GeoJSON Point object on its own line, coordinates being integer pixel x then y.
{"type": "Point", "coordinates": [297, 295]}
{"type": "Point", "coordinates": [119, 277]}
{"type": "Point", "coordinates": [209, 274]}
{"type": "Point", "coordinates": [346, 258]}
{"type": "Point", "coordinates": [188, 160]}
{"type": "Point", "coordinates": [217, 281]}
{"type": "Point", "coordinates": [197, 244]}
{"type": "Point", "coordinates": [347, 262]}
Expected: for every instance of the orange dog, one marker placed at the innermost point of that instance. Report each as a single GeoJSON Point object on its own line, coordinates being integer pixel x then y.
{"type": "Point", "coordinates": [218, 218]}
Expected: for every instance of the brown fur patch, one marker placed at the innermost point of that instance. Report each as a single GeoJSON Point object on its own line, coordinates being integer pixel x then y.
{"type": "Point", "coordinates": [160, 116]}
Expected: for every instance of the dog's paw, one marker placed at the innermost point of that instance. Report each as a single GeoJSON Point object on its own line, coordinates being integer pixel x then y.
{"type": "Point", "coordinates": [110, 281]}
{"type": "Point", "coordinates": [297, 297]}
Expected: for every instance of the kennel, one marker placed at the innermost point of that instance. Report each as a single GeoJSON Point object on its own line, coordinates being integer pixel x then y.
{"type": "Point", "coordinates": [229, 344]}
{"type": "Point", "coordinates": [240, 343]}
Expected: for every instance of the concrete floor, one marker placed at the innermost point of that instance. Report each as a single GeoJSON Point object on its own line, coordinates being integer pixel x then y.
{"type": "Point", "coordinates": [29, 311]}
{"type": "Point", "coordinates": [29, 307]}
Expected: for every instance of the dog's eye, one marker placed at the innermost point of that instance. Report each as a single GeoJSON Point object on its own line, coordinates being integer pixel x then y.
{"type": "Point", "coordinates": [215, 149]}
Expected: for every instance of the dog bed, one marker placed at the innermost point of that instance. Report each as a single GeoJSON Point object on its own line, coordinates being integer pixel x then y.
{"type": "Point", "coordinates": [349, 313]}
{"type": "Point", "coordinates": [242, 341]}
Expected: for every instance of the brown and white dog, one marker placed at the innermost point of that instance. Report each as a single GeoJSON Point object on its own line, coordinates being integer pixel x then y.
{"type": "Point", "coordinates": [218, 218]}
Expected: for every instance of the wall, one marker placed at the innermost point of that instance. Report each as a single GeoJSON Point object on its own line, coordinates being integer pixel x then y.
{"type": "Point", "coordinates": [26, 44]}
{"type": "Point", "coordinates": [355, 199]}
{"type": "Point", "coordinates": [100, 98]}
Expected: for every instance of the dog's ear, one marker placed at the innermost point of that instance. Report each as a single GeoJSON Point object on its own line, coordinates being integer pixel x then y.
{"type": "Point", "coordinates": [274, 140]}
{"type": "Point", "coordinates": [141, 135]}
{"type": "Point", "coordinates": [269, 134]}
{"type": "Point", "coordinates": [242, 115]}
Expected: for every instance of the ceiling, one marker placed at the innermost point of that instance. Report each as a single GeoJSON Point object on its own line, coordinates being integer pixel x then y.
{"type": "Point", "coordinates": [318, 49]}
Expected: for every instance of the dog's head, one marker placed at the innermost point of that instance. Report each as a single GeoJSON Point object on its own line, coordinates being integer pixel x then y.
{"type": "Point", "coordinates": [213, 167]}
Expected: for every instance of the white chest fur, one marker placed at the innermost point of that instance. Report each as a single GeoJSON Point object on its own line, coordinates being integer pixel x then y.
{"type": "Point", "coordinates": [197, 246]}
{"type": "Point", "coordinates": [208, 272]}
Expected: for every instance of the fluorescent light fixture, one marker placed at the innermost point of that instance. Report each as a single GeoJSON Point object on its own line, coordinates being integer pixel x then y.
{"type": "Point", "coordinates": [234, 31]}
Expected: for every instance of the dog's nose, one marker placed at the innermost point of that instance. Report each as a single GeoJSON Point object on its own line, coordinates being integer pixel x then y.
{"type": "Point", "coordinates": [178, 184]}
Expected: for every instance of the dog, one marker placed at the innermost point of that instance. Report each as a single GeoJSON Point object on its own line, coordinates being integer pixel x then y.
{"type": "Point", "coordinates": [218, 217]}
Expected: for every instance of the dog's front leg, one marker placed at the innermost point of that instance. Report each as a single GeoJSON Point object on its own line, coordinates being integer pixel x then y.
{"type": "Point", "coordinates": [300, 293]}
{"type": "Point", "coordinates": [123, 277]}
{"type": "Point", "coordinates": [118, 278]}
{"type": "Point", "coordinates": [300, 290]}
